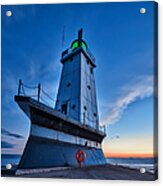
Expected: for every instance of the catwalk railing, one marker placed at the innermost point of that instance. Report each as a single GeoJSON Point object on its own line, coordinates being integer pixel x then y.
{"type": "Point", "coordinates": [40, 95]}
{"type": "Point", "coordinates": [70, 50]}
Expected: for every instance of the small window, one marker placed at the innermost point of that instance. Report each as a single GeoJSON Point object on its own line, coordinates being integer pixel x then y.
{"type": "Point", "coordinates": [89, 87]}
{"type": "Point", "coordinates": [69, 84]}
{"type": "Point", "coordinates": [73, 106]}
{"type": "Point", "coordinates": [71, 59]}
{"type": "Point", "coordinates": [95, 114]}
{"type": "Point", "coordinates": [87, 61]}
{"type": "Point", "coordinates": [91, 70]}
{"type": "Point", "coordinates": [85, 108]}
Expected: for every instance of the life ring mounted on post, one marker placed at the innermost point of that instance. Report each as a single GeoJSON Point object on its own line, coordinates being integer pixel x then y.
{"type": "Point", "coordinates": [80, 157]}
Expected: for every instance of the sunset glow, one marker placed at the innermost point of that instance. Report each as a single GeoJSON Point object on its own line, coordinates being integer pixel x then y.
{"type": "Point", "coordinates": [129, 147]}
{"type": "Point", "coordinates": [123, 155]}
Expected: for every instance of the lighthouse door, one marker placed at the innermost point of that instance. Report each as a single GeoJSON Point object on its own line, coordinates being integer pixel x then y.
{"type": "Point", "coordinates": [64, 108]}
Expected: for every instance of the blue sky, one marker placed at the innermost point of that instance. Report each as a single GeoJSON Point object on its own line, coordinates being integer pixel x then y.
{"type": "Point", "coordinates": [121, 40]}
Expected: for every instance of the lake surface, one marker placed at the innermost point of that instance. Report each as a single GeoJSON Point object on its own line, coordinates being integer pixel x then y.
{"type": "Point", "coordinates": [150, 164]}
{"type": "Point", "coordinates": [12, 159]}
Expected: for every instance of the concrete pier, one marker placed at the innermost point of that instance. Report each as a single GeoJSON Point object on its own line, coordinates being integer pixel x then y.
{"type": "Point", "coordinates": [103, 172]}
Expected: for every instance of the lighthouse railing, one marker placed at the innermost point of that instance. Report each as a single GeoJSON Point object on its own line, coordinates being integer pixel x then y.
{"type": "Point", "coordinates": [90, 54]}
{"type": "Point", "coordinates": [39, 94]}
{"type": "Point", "coordinates": [70, 50]}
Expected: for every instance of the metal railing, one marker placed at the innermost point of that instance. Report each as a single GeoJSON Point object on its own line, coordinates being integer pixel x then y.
{"type": "Point", "coordinates": [69, 51]}
{"type": "Point", "coordinates": [40, 95]}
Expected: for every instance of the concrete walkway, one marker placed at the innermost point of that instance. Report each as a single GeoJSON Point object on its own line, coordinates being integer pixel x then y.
{"type": "Point", "coordinates": [108, 172]}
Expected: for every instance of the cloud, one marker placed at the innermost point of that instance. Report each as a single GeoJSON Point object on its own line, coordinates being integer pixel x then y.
{"type": "Point", "coordinates": [9, 134]}
{"type": "Point", "coordinates": [7, 145]}
{"type": "Point", "coordinates": [138, 90]}
{"type": "Point", "coordinates": [11, 143]}
{"type": "Point", "coordinates": [48, 76]}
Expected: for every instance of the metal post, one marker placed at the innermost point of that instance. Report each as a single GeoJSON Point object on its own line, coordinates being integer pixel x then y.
{"type": "Point", "coordinates": [19, 88]}
{"type": "Point", "coordinates": [39, 91]}
{"type": "Point", "coordinates": [80, 36]}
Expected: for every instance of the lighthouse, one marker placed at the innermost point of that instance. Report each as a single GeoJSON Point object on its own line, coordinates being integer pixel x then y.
{"type": "Point", "coordinates": [77, 93]}
{"type": "Point", "coordinates": [57, 135]}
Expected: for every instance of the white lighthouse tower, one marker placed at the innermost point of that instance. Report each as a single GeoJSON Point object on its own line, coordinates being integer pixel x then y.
{"type": "Point", "coordinates": [77, 94]}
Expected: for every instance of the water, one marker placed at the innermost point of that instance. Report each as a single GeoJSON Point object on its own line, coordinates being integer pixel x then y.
{"type": "Point", "coordinates": [10, 159]}
{"type": "Point", "coordinates": [150, 164]}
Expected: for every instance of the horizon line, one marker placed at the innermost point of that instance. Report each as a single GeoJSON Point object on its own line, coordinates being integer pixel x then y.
{"type": "Point", "coordinates": [130, 155]}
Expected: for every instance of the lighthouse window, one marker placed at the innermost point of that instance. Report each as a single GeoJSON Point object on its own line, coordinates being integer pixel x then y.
{"type": "Point", "coordinates": [89, 87]}
{"type": "Point", "coordinates": [73, 106]}
{"type": "Point", "coordinates": [69, 84]}
{"type": "Point", "coordinates": [64, 108]}
{"type": "Point", "coordinates": [91, 70]}
{"type": "Point", "coordinates": [95, 114]}
{"type": "Point", "coordinates": [85, 108]}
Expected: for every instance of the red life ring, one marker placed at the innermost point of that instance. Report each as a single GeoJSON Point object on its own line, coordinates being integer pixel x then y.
{"type": "Point", "coordinates": [80, 156]}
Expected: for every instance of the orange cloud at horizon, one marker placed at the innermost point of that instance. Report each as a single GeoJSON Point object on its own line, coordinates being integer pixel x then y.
{"type": "Point", "coordinates": [135, 147]}
{"type": "Point", "coordinates": [128, 155]}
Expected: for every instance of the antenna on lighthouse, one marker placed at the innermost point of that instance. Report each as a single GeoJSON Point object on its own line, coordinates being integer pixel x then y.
{"type": "Point", "coordinates": [63, 36]}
